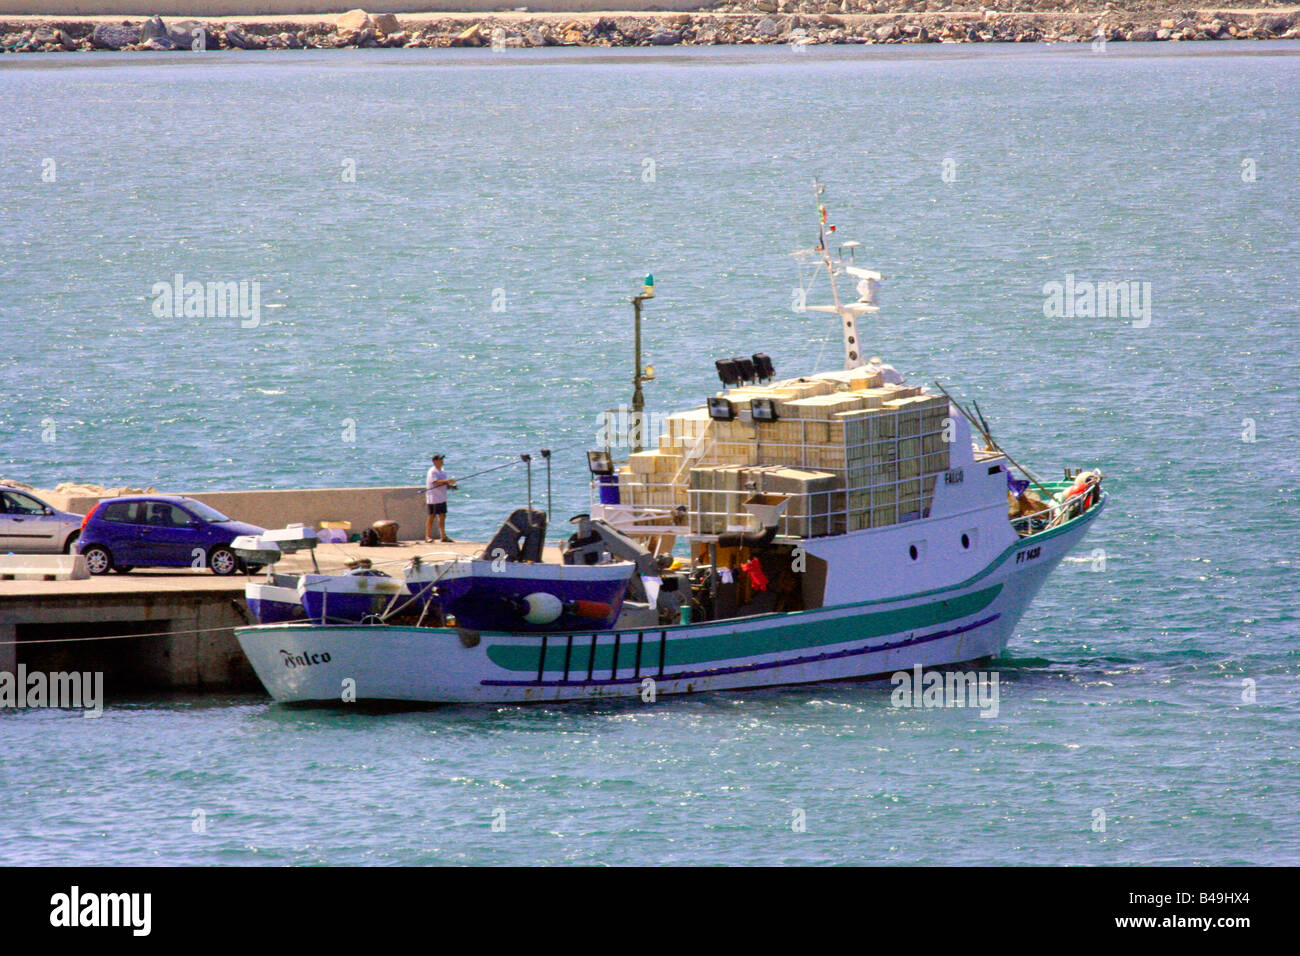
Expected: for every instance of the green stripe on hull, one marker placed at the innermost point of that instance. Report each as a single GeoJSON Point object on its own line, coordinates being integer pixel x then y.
{"type": "Point", "coordinates": [729, 645]}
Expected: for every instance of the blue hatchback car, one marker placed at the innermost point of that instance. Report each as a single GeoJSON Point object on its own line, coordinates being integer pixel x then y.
{"type": "Point", "coordinates": [160, 531]}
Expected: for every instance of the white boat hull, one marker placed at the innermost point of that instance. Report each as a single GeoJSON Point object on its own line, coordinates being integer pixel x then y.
{"type": "Point", "coordinates": [968, 622]}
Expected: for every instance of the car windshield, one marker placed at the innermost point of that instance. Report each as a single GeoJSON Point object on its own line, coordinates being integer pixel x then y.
{"type": "Point", "coordinates": [200, 510]}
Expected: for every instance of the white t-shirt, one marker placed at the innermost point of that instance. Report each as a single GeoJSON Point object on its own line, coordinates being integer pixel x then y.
{"type": "Point", "coordinates": [432, 495]}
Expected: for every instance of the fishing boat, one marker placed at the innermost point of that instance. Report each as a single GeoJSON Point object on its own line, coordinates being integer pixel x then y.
{"type": "Point", "coordinates": [274, 598]}
{"type": "Point", "coordinates": [836, 526]}
{"type": "Point", "coordinates": [359, 594]}
{"type": "Point", "coordinates": [510, 588]}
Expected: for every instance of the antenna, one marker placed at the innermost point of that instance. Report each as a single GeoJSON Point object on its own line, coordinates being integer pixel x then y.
{"type": "Point", "coordinates": [848, 314]}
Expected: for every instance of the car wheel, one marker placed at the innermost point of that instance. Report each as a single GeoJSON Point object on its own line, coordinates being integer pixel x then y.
{"type": "Point", "coordinates": [72, 539]}
{"type": "Point", "coordinates": [222, 561]}
{"type": "Point", "coordinates": [98, 559]}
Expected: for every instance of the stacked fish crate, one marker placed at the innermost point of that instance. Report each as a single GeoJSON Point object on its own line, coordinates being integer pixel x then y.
{"type": "Point", "coordinates": [850, 456]}
{"type": "Point", "coordinates": [718, 493]}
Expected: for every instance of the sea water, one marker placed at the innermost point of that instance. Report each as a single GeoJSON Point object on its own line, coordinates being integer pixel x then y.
{"type": "Point", "coordinates": [443, 244]}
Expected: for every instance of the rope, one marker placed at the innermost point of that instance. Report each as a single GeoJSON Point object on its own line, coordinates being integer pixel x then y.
{"type": "Point", "coordinates": [123, 637]}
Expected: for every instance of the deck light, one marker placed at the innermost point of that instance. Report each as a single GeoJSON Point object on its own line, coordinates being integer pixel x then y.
{"type": "Point", "coordinates": [721, 408]}
{"type": "Point", "coordinates": [728, 372]}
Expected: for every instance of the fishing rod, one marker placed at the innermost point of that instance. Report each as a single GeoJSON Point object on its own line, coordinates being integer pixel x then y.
{"type": "Point", "coordinates": [489, 470]}
{"type": "Point", "coordinates": [546, 453]}
{"type": "Point", "coordinates": [989, 443]}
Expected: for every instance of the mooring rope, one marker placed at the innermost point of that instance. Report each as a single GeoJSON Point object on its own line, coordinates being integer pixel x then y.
{"type": "Point", "coordinates": [122, 637]}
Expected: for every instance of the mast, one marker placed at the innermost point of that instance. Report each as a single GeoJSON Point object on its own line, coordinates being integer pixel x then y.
{"type": "Point", "coordinates": [848, 313]}
{"type": "Point", "coordinates": [639, 374]}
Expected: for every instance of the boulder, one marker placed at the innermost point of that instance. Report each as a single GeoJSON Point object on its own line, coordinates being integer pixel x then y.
{"type": "Point", "coordinates": [182, 33]}
{"type": "Point", "coordinates": [110, 37]}
{"type": "Point", "coordinates": [1142, 35]}
{"type": "Point", "coordinates": [767, 27]}
{"type": "Point", "coordinates": [665, 38]}
{"type": "Point", "coordinates": [158, 43]}
{"type": "Point", "coordinates": [240, 39]}
{"type": "Point", "coordinates": [397, 38]}
{"type": "Point", "coordinates": [354, 21]}
{"type": "Point", "coordinates": [153, 28]}
{"type": "Point", "coordinates": [887, 32]}
{"type": "Point", "coordinates": [385, 23]}
{"type": "Point", "coordinates": [470, 36]}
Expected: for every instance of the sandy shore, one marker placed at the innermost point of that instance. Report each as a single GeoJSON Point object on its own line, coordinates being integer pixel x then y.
{"type": "Point", "coordinates": [792, 22]}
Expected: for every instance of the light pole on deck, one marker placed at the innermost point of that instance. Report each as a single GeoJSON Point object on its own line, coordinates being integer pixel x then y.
{"type": "Point", "coordinates": [640, 374]}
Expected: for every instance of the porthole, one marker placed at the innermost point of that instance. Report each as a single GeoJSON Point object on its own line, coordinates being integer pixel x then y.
{"type": "Point", "coordinates": [965, 542]}
{"type": "Point", "coordinates": [911, 550]}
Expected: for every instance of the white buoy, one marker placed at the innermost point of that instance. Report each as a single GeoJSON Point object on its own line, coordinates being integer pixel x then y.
{"type": "Point", "coordinates": [543, 608]}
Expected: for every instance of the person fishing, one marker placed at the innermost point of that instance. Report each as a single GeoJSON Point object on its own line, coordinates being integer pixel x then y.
{"type": "Point", "coordinates": [435, 496]}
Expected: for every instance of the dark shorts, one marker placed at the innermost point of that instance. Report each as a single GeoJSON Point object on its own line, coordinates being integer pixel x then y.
{"type": "Point", "coordinates": [439, 509]}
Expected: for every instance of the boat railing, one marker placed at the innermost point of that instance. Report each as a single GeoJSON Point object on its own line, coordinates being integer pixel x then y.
{"type": "Point", "coordinates": [1058, 512]}
{"type": "Point", "coordinates": [671, 509]}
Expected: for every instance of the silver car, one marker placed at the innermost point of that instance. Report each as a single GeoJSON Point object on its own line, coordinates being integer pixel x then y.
{"type": "Point", "coordinates": [30, 526]}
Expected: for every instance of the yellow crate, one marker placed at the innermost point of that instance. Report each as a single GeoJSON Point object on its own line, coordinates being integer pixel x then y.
{"type": "Point", "coordinates": [884, 495]}
{"type": "Point", "coordinates": [910, 509]}
{"type": "Point", "coordinates": [816, 433]}
{"type": "Point", "coordinates": [864, 381]}
{"type": "Point", "coordinates": [884, 472]}
{"type": "Point", "coordinates": [882, 426]}
{"type": "Point", "coordinates": [884, 451]}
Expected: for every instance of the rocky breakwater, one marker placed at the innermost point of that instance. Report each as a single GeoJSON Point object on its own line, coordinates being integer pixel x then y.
{"type": "Point", "coordinates": [793, 22]}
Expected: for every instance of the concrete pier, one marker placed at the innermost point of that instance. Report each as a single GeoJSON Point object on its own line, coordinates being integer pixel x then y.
{"type": "Point", "coordinates": [107, 623]}
{"type": "Point", "coordinates": [275, 508]}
